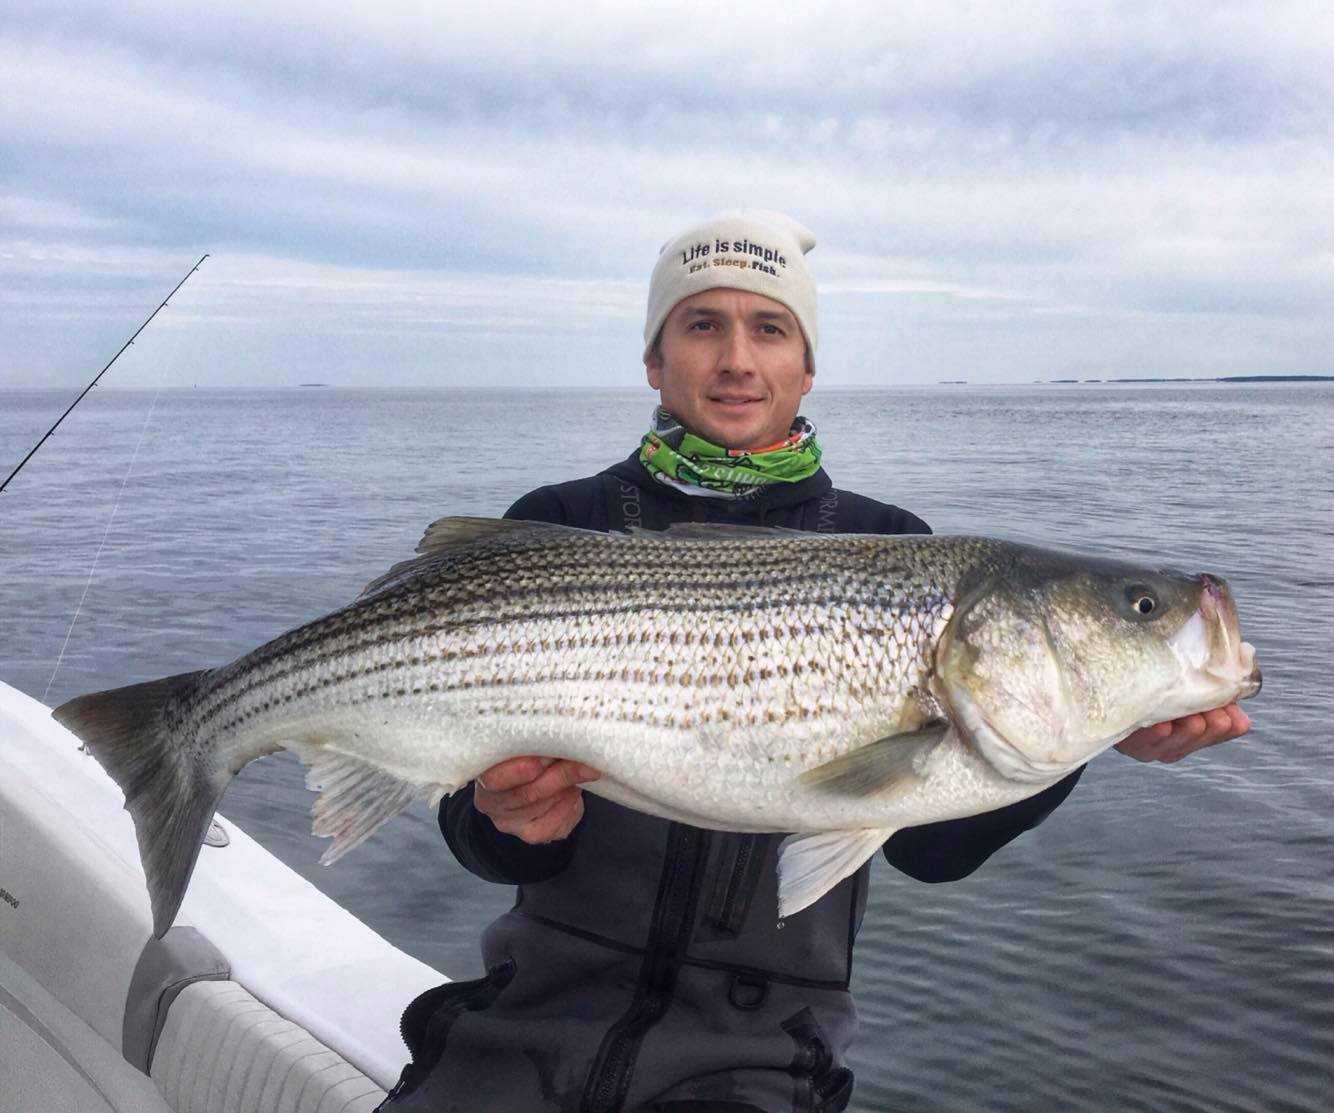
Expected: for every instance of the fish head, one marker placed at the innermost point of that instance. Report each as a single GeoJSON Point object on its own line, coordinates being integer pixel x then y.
{"type": "Point", "coordinates": [1049, 660]}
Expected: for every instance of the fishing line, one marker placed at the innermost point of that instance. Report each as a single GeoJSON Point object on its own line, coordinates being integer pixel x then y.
{"type": "Point", "coordinates": [116, 506]}
{"type": "Point", "coordinates": [105, 533]}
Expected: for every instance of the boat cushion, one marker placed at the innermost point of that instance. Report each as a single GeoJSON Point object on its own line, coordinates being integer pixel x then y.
{"type": "Point", "coordinates": [223, 1051]}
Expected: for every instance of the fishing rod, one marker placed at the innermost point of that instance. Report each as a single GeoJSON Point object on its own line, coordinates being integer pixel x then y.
{"type": "Point", "coordinates": [104, 370]}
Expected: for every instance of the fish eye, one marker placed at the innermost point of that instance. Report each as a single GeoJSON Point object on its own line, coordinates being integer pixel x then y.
{"type": "Point", "coordinates": [1143, 602]}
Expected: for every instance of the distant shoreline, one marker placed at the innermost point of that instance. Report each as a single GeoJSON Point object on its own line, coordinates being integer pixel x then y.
{"type": "Point", "coordinates": [7, 388]}
{"type": "Point", "coordinates": [1201, 379]}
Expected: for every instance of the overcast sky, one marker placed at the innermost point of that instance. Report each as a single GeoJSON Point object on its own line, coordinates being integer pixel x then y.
{"type": "Point", "coordinates": [411, 195]}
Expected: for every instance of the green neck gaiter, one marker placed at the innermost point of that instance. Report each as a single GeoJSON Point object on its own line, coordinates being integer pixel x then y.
{"type": "Point", "coordinates": [676, 456]}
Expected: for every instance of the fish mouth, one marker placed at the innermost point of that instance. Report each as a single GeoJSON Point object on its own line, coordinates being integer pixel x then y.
{"type": "Point", "coordinates": [1210, 645]}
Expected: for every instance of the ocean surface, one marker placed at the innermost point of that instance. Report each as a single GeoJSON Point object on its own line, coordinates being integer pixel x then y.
{"type": "Point", "coordinates": [1165, 941]}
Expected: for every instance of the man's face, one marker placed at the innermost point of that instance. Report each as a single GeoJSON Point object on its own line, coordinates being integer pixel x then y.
{"type": "Point", "coordinates": [731, 367]}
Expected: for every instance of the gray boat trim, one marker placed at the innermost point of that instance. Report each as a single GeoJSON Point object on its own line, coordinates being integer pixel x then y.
{"type": "Point", "coordinates": [27, 1017]}
{"type": "Point", "coordinates": [165, 967]}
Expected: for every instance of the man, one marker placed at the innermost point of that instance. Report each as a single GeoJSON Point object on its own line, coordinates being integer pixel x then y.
{"type": "Point", "coordinates": [642, 966]}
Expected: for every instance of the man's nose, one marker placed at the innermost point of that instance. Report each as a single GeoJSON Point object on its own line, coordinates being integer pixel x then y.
{"type": "Point", "coordinates": [738, 354]}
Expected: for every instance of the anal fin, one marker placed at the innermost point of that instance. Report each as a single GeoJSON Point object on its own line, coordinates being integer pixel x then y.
{"type": "Point", "coordinates": [355, 797]}
{"type": "Point", "coordinates": [810, 865]}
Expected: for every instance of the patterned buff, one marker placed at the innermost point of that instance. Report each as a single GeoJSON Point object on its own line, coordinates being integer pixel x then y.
{"type": "Point", "coordinates": [681, 459]}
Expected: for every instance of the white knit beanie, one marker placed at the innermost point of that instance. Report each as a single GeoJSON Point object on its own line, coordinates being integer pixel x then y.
{"type": "Point", "coordinates": [756, 250]}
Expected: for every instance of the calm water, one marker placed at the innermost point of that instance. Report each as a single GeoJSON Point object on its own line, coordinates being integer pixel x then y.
{"type": "Point", "coordinates": [1164, 942]}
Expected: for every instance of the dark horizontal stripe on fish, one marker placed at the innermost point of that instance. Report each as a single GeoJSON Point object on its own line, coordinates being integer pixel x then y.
{"type": "Point", "coordinates": [483, 576]}
{"type": "Point", "coordinates": [509, 653]}
{"type": "Point", "coordinates": [259, 677]}
{"type": "Point", "coordinates": [696, 682]}
{"type": "Point", "coordinates": [224, 698]}
{"type": "Point", "coordinates": [427, 600]}
{"type": "Point", "coordinates": [230, 697]}
{"type": "Point", "coordinates": [687, 718]}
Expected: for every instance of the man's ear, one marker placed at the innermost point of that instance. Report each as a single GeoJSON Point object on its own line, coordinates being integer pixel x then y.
{"type": "Point", "coordinates": [653, 367]}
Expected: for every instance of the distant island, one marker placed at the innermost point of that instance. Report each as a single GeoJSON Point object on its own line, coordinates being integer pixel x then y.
{"type": "Point", "coordinates": [1205, 379]}
{"type": "Point", "coordinates": [312, 384]}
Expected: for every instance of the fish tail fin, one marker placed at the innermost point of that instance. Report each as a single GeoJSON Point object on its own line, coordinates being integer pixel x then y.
{"type": "Point", "coordinates": [169, 793]}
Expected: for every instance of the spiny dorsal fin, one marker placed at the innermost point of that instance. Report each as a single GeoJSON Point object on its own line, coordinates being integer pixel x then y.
{"type": "Point", "coordinates": [887, 767]}
{"type": "Point", "coordinates": [446, 533]}
{"type": "Point", "coordinates": [450, 533]}
{"type": "Point", "coordinates": [720, 531]}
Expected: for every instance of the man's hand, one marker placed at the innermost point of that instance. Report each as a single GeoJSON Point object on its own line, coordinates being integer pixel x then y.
{"type": "Point", "coordinates": [536, 798]}
{"type": "Point", "coordinates": [1171, 741]}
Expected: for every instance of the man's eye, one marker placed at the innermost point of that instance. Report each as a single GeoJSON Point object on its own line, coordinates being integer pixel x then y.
{"type": "Point", "coordinates": [702, 325]}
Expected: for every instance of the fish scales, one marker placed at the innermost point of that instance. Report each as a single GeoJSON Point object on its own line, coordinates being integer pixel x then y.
{"type": "Point", "coordinates": [377, 627]}
{"type": "Point", "coordinates": [841, 686]}
{"type": "Point", "coordinates": [601, 636]}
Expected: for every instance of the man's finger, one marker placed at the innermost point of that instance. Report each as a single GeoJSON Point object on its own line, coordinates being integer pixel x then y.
{"type": "Point", "coordinates": [555, 778]}
{"type": "Point", "coordinates": [518, 772]}
{"type": "Point", "coordinates": [1221, 724]}
{"type": "Point", "coordinates": [1144, 744]}
{"type": "Point", "coordinates": [1192, 726]}
{"type": "Point", "coordinates": [544, 821]}
{"type": "Point", "coordinates": [1171, 741]}
{"type": "Point", "coordinates": [558, 822]}
{"type": "Point", "coordinates": [518, 816]}
{"type": "Point", "coordinates": [1230, 721]}
{"type": "Point", "coordinates": [507, 774]}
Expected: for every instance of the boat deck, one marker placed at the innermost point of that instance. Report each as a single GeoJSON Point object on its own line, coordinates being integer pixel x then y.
{"type": "Point", "coordinates": [264, 996]}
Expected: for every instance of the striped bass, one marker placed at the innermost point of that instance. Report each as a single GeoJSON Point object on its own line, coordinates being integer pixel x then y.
{"type": "Point", "coordinates": [837, 687]}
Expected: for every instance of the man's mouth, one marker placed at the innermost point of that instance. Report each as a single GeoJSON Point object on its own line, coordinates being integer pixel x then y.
{"type": "Point", "coordinates": [731, 400]}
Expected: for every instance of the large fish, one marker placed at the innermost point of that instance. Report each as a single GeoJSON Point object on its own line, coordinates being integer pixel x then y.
{"type": "Point", "coordinates": [838, 687]}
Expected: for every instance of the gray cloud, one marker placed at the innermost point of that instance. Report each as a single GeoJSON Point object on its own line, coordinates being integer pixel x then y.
{"type": "Point", "coordinates": [995, 189]}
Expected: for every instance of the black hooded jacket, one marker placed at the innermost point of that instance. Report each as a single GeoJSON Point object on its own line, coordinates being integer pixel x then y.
{"type": "Point", "coordinates": [642, 966]}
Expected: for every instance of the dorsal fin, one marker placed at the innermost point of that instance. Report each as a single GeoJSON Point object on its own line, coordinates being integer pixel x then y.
{"type": "Point", "coordinates": [720, 531]}
{"type": "Point", "coordinates": [449, 533]}
{"type": "Point", "coordinates": [445, 533]}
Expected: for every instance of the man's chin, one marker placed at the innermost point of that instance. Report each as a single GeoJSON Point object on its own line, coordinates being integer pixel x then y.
{"type": "Point", "coordinates": [735, 430]}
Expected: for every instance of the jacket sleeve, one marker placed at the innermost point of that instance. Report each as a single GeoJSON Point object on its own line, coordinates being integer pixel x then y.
{"type": "Point", "coordinates": [953, 849]}
{"type": "Point", "coordinates": [473, 838]}
{"type": "Point", "coordinates": [542, 505]}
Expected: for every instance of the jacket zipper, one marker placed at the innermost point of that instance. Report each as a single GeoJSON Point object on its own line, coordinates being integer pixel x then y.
{"type": "Point", "coordinates": [673, 918]}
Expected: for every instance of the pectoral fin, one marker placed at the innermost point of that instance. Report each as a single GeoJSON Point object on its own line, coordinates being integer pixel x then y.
{"type": "Point", "coordinates": [887, 767]}
{"type": "Point", "coordinates": [810, 865]}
